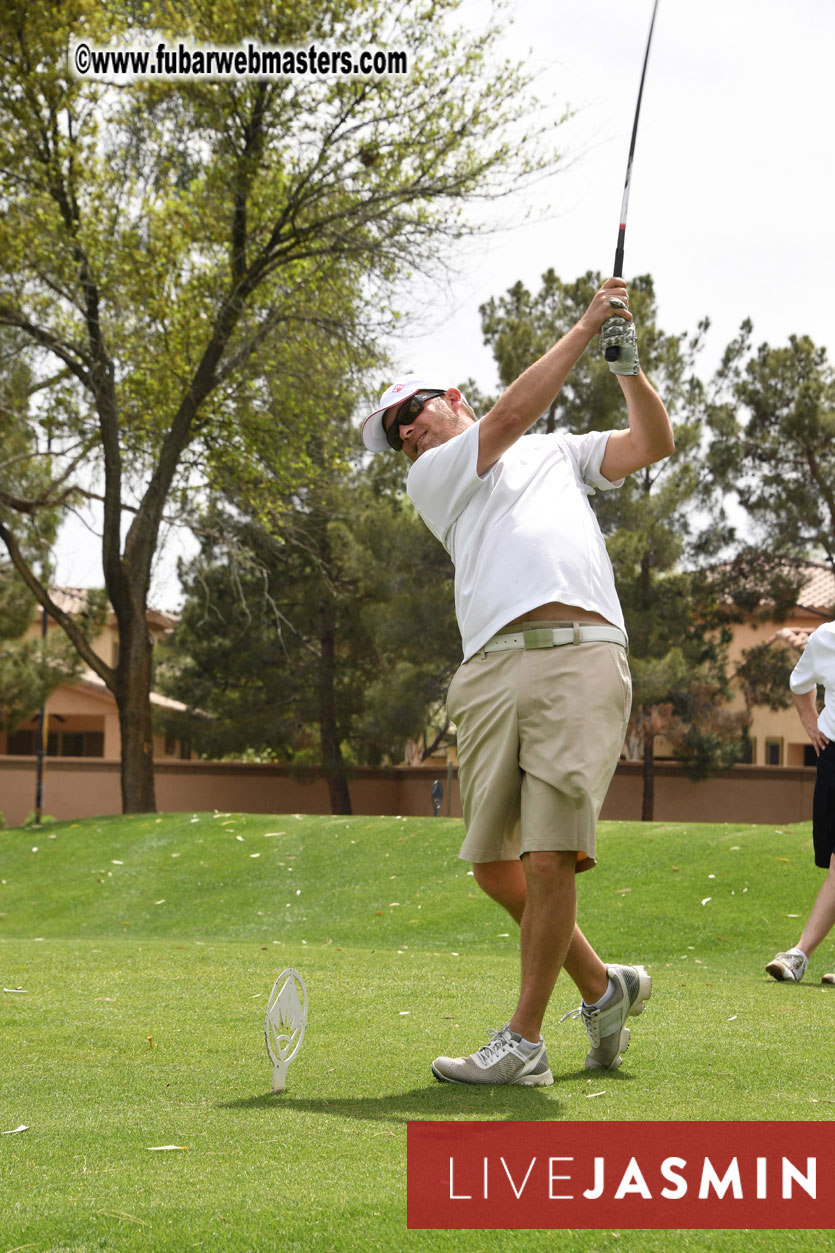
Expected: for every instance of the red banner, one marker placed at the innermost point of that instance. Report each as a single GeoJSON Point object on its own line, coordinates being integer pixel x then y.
{"type": "Point", "coordinates": [618, 1175]}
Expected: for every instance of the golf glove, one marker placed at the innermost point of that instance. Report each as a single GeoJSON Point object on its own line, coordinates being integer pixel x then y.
{"type": "Point", "coordinates": [619, 342]}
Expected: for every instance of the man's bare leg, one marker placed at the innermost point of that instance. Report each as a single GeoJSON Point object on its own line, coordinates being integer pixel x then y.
{"type": "Point", "coordinates": [505, 883]}
{"type": "Point", "coordinates": [546, 932]}
{"type": "Point", "coordinates": [822, 918]}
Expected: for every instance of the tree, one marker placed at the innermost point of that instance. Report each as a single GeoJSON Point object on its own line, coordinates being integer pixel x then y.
{"type": "Point", "coordinates": [775, 428]}
{"type": "Point", "coordinates": [203, 262]}
{"type": "Point", "coordinates": [764, 675]}
{"type": "Point", "coordinates": [325, 642]}
{"type": "Point", "coordinates": [30, 668]}
{"type": "Point", "coordinates": [665, 518]}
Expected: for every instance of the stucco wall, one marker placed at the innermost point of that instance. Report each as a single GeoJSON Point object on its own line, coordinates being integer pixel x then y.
{"type": "Point", "coordinates": [87, 787]}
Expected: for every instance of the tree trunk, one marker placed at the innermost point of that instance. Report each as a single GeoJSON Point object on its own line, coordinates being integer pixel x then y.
{"type": "Point", "coordinates": [648, 801]}
{"type": "Point", "coordinates": [332, 760]}
{"type": "Point", "coordinates": [133, 698]}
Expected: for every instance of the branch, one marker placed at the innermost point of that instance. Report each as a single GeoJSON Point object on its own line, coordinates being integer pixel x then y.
{"type": "Point", "coordinates": [19, 505]}
{"type": "Point", "coordinates": [428, 749]}
{"type": "Point", "coordinates": [46, 499]}
{"type": "Point", "coordinates": [68, 625]}
{"type": "Point", "coordinates": [71, 354]}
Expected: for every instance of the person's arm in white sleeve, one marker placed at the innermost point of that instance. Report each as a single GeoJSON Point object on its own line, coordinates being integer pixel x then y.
{"type": "Point", "coordinates": [804, 685]}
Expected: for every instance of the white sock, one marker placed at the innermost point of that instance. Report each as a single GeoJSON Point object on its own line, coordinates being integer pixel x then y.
{"type": "Point", "coordinates": [525, 1045]}
{"type": "Point", "coordinates": [800, 951]}
{"type": "Point", "coordinates": [607, 995]}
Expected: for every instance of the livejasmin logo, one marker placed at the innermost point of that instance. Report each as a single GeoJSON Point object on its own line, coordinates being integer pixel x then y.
{"type": "Point", "coordinates": [620, 1175]}
{"type": "Point", "coordinates": [633, 1180]}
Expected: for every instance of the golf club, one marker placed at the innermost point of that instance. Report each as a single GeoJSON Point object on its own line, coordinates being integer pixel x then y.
{"type": "Point", "coordinates": [612, 352]}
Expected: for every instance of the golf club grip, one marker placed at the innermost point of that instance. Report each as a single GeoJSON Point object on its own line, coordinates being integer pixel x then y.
{"type": "Point", "coordinates": [612, 353]}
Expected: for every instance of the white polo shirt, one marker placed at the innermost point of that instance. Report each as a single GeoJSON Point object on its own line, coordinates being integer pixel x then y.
{"type": "Point", "coordinates": [523, 534]}
{"type": "Point", "coordinates": [817, 665]}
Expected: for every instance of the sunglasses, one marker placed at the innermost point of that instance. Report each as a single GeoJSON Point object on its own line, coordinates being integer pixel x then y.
{"type": "Point", "coordinates": [407, 412]}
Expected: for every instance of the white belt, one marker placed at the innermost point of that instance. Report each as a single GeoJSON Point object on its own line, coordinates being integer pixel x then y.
{"type": "Point", "coordinates": [555, 637]}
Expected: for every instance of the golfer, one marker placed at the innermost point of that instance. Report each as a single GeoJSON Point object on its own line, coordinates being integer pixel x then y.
{"type": "Point", "coordinates": [816, 665]}
{"type": "Point", "coordinates": [542, 699]}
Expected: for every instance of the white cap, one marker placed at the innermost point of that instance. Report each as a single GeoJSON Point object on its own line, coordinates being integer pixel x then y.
{"type": "Point", "coordinates": [373, 432]}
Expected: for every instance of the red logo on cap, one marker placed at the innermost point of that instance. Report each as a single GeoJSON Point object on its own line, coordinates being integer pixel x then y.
{"type": "Point", "coordinates": [398, 387]}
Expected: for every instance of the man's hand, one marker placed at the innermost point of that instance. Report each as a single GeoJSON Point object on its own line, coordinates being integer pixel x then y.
{"type": "Point", "coordinates": [807, 708]}
{"type": "Point", "coordinates": [608, 314]}
{"type": "Point", "coordinates": [601, 307]}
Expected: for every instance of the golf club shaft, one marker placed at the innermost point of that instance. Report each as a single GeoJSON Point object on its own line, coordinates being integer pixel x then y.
{"type": "Point", "coordinates": [618, 270]}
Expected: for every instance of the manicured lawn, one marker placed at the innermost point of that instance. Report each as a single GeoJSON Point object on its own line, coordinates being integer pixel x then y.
{"type": "Point", "coordinates": [146, 948]}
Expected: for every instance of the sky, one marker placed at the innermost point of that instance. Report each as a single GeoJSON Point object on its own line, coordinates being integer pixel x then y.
{"type": "Point", "coordinates": [731, 201]}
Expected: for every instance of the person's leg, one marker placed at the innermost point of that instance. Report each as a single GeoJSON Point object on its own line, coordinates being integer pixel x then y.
{"type": "Point", "coordinates": [585, 968]}
{"type": "Point", "coordinates": [791, 966]}
{"type": "Point", "coordinates": [546, 932]}
{"type": "Point", "coordinates": [504, 882]}
{"type": "Point", "coordinates": [822, 918]}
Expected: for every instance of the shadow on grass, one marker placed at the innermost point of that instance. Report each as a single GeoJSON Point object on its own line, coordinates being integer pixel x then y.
{"type": "Point", "coordinates": [788, 987]}
{"type": "Point", "coordinates": [440, 1100]}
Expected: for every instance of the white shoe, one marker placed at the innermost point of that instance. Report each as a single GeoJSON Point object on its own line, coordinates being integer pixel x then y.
{"type": "Point", "coordinates": [500, 1061]}
{"type": "Point", "coordinates": [789, 967]}
{"type": "Point", "coordinates": [608, 1036]}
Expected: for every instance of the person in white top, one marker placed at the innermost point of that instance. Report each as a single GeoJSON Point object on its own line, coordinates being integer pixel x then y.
{"type": "Point", "coordinates": [816, 666]}
{"type": "Point", "coordinates": [541, 700]}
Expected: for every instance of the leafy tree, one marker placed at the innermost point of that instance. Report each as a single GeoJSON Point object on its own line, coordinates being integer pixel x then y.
{"type": "Point", "coordinates": [30, 668]}
{"type": "Point", "coordinates": [774, 447]}
{"type": "Point", "coordinates": [665, 518]}
{"type": "Point", "coordinates": [764, 675]}
{"type": "Point", "coordinates": [197, 268]}
{"type": "Point", "coordinates": [318, 643]}
{"type": "Point", "coordinates": [775, 428]}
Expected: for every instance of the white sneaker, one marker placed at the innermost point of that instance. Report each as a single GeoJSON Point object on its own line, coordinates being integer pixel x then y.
{"type": "Point", "coordinates": [500, 1061]}
{"type": "Point", "coordinates": [788, 966]}
{"type": "Point", "coordinates": [608, 1036]}
{"type": "Point", "coordinates": [828, 979]}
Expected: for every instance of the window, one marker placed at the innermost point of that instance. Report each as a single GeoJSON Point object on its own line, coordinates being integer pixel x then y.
{"type": "Point", "coordinates": [71, 744]}
{"type": "Point", "coordinates": [810, 757]}
{"type": "Point", "coordinates": [75, 744]}
{"type": "Point", "coordinates": [749, 752]}
{"type": "Point", "coordinates": [774, 752]}
{"type": "Point", "coordinates": [21, 744]}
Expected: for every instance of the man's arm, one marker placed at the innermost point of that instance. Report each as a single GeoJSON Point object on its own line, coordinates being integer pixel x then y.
{"type": "Point", "coordinates": [649, 437]}
{"type": "Point", "coordinates": [530, 395]}
{"type": "Point", "coordinates": [806, 706]}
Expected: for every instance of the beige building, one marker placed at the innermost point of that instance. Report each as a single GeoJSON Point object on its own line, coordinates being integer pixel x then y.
{"type": "Point", "coordinates": [777, 736]}
{"type": "Point", "coordinates": [81, 718]}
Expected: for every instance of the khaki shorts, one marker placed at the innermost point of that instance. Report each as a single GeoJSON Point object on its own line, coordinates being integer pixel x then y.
{"type": "Point", "coordinates": [540, 732]}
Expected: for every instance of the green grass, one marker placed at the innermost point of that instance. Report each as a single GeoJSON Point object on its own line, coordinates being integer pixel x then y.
{"type": "Point", "coordinates": [175, 927]}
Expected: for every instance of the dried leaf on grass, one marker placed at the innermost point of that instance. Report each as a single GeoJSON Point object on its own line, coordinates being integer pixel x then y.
{"type": "Point", "coordinates": [117, 1213]}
